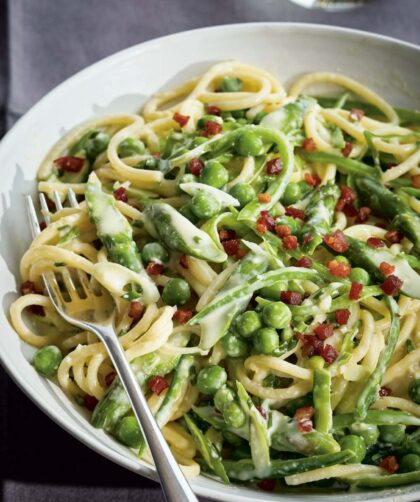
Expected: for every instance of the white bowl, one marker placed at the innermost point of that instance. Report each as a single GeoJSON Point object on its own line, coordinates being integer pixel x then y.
{"type": "Point", "coordinates": [121, 83]}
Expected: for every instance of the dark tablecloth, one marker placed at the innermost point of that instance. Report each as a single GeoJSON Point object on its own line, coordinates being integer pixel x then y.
{"type": "Point", "coordinates": [42, 42]}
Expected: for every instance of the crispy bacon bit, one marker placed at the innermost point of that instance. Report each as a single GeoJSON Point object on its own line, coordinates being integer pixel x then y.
{"type": "Point", "coordinates": [342, 316]}
{"type": "Point", "coordinates": [309, 145]}
{"type": "Point", "coordinates": [241, 253]}
{"type": "Point", "coordinates": [290, 242]}
{"type": "Point", "coordinates": [356, 114]}
{"type": "Point", "coordinates": [121, 194]}
{"type": "Point", "coordinates": [386, 268]}
{"type": "Point", "coordinates": [304, 262]}
{"type": "Point", "coordinates": [182, 316]}
{"type": "Point", "coordinates": [195, 166]}
{"type": "Point", "coordinates": [283, 231]}
{"type": "Point", "coordinates": [90, 402]}
{"type": "Point", "coordinates": [36, 310]}
{"type": "Point", "coordinates": [183, 261]}
{"type": "Point", "coordinates": [385, 391]}
{"type": "Point", "coordinates": [268, 221]}
{"type": "Point", "coordinates": [274, 166]}
{"type": "Point", "coordinates": [27, 288]}
{"type": "Point", "coordinates": [267, 485]}
{"type": "Point", "coordinates": [211, 128]}
{"type": "Point", "coordinates": [291, 297]}
{"type": "Point", "coordinates": [355, 290]}
{"type": "Point", "coordinates": [380, 225]}
{"type": "Point", "coordinates": [337, 241]}
{"type": "Point", "coordinates": [312, 179]}
{"type": "Point", "coordinates": [328, 353]}
{"type": "Point", "coordinates": [324, 331]}
{"type": "Point", "coordinates": [346, 151]}
{"type": "Point", "coordinates": [136, 310]}
{"type": "Point", "coordinates": [415, 180]}
{"type": "Point", "coordinates": [303, 417]}
{"type": "Point", "coordinates": [347, 197]}
{"type": "Point", "coordinates": [109, 378]}
{"type": "Point", "coordinates": [231, 247]}
{"type": "Point", "coordinates": [294, 212]}
{"type": "Point", "coordinates": [391, 285]}
{"type": "Point", "coordinates": [70, 164]}
{"type": "Point", "coordinates": [363, 214]}
{"type": "Point", "coordinates": [312, 345]}
{"type": "Point", "coordinates": [42, 225]}
{"type": "Point", "coordinates": [263, 412]}
{"type": "Point", "coordinates": [307, 239]}
{"type": "Point", "coordinates": [157, 384]}
{"type": "Point", "coordinates": [181, 119]}
{"type": "Point", "coordinates": [261, 228]}
{"type": "Point", "coordinates": [394, 236]}
{"type": "Point", "coordinates": [390, 464]}
{"type": "Point", "coordinates": [264, 197]}
{"type": "Point", "coordinates": [350, 211]}
{"type": "Point", "coordinates": [339, 269]}
{"type": "Point", "coordinates": [154, 268]}
{"type": "Point", "coordinates": [213, 110]}
{"type": "Point", "coordinates": [376, 243]}
{"type": "Point", "coordinates": [227, 235]}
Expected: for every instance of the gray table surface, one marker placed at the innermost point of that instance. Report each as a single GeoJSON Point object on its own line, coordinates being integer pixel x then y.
{"type": "Point", "coordinates": [42, 42]}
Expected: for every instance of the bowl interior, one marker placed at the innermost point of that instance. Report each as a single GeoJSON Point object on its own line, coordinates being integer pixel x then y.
{"type": "Point", "coordinates": [121, 84]}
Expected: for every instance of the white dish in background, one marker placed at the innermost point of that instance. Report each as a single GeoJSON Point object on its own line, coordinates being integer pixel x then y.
{"type": "Point", "coordinates": [121, 83]}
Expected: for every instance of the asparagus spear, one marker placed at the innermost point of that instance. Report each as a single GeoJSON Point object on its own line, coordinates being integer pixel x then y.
{"type": "Point", "coordinates": [384, 481]}
{"type": "Point", "coordinates": [376, 417]}
{"type": "Point", "coordinates": [322, 400]}
{"type": "Point", "coordinates": [344, 165]}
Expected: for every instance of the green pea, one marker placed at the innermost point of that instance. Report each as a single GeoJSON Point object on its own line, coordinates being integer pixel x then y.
{"type": "Point", "coordinates": [208, 118]}
{"type": "Point", "coordinates": [266, 340]}
{"type": "Point", "coordinates": [393, 434]}
{"type": "Point", "coordinates": [233, 415]}
{"type": "Point", "coordinates": [153, 251]}
{"type": "Point", "coordinates": [359, 275]}
{"type": "Point", "coordinates": [238, 114]}
{"type": "Point", "coordinates": [248, 143]}
{"type": "Point", "coordinates": [47, 360]}
{"type": "Point", "coordinates": [230, 84]}
{"type": "Point", "coordinates": [188, 213]}
{"type": "Point", "coordinates": [273, 292]}
{"type": "Point", "coordinates": [187, 178]}
{"type": "Point", "coordinates": [316, 362]}
{"type": "Point", "coordinates": [211, 379]}
{"type": "Point", "coordinates": [204, 206]}
{"type": "Point", "coordinates": [248, 323]}
{"type": "Point", "coordinates": [222, 397]}
{"type": "Point", "coordinates": [410, 462]}
{"type": "Point", "coordinates": [243, 192]}
{"type": "Point", "coordinates": [258, 117]}
{"type": "Point", "coordinates": [234, 346]}
{"type": "Point", "coordinates": [292, 194]}
{"type": "Point", "coordinates": [414, 390]}
{"type": "Point", "coordinates": [370, 433]}
{"type": "Point", "coordinates": [130, 146]}
{"type": "Point", "coordinates": [276, 315]}
{"type": "Point", "coordinates": [176, 292]}
{"type": "Point", "coordinates": [214, 174]}
{"type": "Point", "coordinates": [356, 444]}
{"type": "Point", "coordinates": [96, 144]}
{"type": "Point", "coordinates": [199, 140]}
{"type": "Point", "coordinates": [342, 259]}
{"type": "Point", "coordinates": [150, 163]}
{"type": "Point", "coordinates": [232, 438]}
{"type": "Point", "coordinates": [128, 432]}
{"type": "Point", "coordinates": [286, 334]}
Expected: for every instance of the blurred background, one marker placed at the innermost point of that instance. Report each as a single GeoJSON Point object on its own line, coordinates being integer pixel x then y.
{"type": "Point", "coordinates": [43, 42]}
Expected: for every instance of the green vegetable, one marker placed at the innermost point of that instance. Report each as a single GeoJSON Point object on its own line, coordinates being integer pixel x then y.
{"type": "Point", "coordinates": [211, 379]}
{"type": "Point", "coordinates": [208, 118]}
{"type": "Point", "coordinates": [176, 292]}
{"type": "Point", "coordinates": [355, 444]}
{"type": "Point", "coordinates": [230, 84]}
{"type": "Point", "coordinates": [266, 340]}
{"type": "Point", "coordinates": [187, 212]}
{"type": "Point", "coordinates": [249, 144]}
{"type": "Point", "coordinates": [187, 178]}
{"type": "Point", "coordinates": [47, 360]}
{"type": "Point", "coordinates": [130, 146]}
{"type": "Point", "coordinates": [276, 315]}
{"type": "Point", "coordinates": [359, 275]}
{"type": "Point", "coordinates": [95, 144]}
{"type": "Point", "coordinates": [128, 432]}
{"type": "Point", "coordinates": [222, 397]}
{"type": "Point", "coordinates": [205, 206]}
{"type": "Point", "coordinates": [375, 417]}
{"type": "Point", "coordinates": [344, 165]}
{"type": "Point", "coordinates": [233, 414]}
{"type": "Point", "coordinates": [414, 390]}
{"type": "Point", "coordinates": [234, 346]}
{"type": "Point", "coordinates": [369, 433]}
{"type": "Point", "coordinates": [387, 481]}
{"type": "Point", "coordinates": [409, 463]}
{"type": "Point", "coordinates": [322, 400]}
{"type": "Point", "coordinates": [214, 174]}
{"type": "Point", "coordinates": [243, 192]}
{"type": "Point", "coordinates": [292, 194]}
{"type": "Point", "coordinates": [248, 323]}
{"type": "Point", "coordinates": [153, 251]}
{"type": "Point", "coordinates": [393, 434]}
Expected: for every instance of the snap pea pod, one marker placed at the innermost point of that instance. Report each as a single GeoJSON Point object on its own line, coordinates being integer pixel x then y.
{"type": "Point", "coordinates": [113, 229]}
{"type": "Point", "coordinates": [243, 470]}
{"type": "Point", "coordinates": [362, 255]}
{"type": "Point", "coordinates": [180, 381]}
{"type": "Point", "coordinates": [371, 390]}
{"type": "Point", "coordinates": [258, 434]}
{"type": "Point", "coordinates": [322, 400]}
{"type": "Point", "coordinates": [179, 234]}
{"type": "Point", "coordinates": [115, 404]}
{"type": "Point", "coordinates": [386, 203]}
{"type": "Point", "coordinates": [207, 450]}
{"type": "Point", "coordinates": [319, 215]}
{"type": "Point", "coordinates": [376, 417]}
{"type": "Point", "coordinates": [385, 481]}
{"type": "Point", "coordinates": [344, 165]}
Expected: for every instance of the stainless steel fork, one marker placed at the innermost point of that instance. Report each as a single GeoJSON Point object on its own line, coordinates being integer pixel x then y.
{"type": "Point", "coordinates": [174, 485]}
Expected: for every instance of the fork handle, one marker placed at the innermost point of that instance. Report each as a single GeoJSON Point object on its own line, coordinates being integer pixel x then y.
{"type": "Point", "coordinates": [174, 485]}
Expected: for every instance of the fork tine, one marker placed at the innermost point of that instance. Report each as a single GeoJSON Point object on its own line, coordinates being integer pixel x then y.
{"type": "Point", "coordinates": [32, 217]}
{"type": "Point", "coordinates": [72, 198]}
{"type": "Point", "coordinates": [53, 289]}
{"type": "Point", "coordinates": [44, 208]}
{"type": "Point", "coordinates": [70, 286]}
{"type": "Point", "coordinates": [57, 201]}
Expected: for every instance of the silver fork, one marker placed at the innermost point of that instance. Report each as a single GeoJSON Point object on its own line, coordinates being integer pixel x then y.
{"type": "Point", "coordinates": [174, 485]}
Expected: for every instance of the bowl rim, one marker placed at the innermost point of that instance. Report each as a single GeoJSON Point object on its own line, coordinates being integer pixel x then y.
{"type": "Point", "coordinates": [80, 434]}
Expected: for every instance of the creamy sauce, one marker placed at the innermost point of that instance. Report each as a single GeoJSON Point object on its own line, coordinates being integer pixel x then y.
{"type": "Point", "coordinates": [222, 197]}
